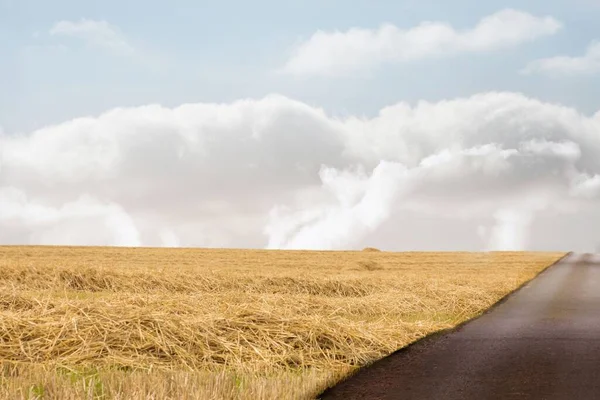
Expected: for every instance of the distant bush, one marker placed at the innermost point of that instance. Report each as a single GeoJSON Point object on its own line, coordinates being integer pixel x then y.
{"type": "Point", "coordinates": [370, 249]}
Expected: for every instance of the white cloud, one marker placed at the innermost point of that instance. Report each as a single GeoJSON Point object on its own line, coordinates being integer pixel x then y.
{"type": "Point", "coordinates": [568, 150]}
{"type": "Point", "coordinates": [586, 186]}
{"type": "Point", "coordinates": [342, 53]}
{"type": "Point", "coordinates": [587, 64]}
{"type": "Point", "coordinates": [94, 33]}
{"type": "Point", "coordinates": [70, 223]}
{"type": "Point", "coordinates": [274, 172]}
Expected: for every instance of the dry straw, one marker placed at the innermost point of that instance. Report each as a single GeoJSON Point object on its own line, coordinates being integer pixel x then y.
{"type": "Point", "coordinates": [160, 323]}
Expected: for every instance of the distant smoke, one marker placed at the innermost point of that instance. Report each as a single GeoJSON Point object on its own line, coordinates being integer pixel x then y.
{"type": "Point", "coordinates": [362, 205]}
{"type": "Point", "coordinates": [511, 231]}
{"type": "Point", "coordinates": [169, 238]}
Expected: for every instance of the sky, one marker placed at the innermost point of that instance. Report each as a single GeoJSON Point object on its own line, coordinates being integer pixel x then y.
{"type": "Point", "coordinates": [403, 125]}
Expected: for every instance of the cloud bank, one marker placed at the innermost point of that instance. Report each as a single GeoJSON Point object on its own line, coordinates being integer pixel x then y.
{"type": "Point", "coordinates": [342, 53]}
{"type": "Point", "coordinates": [587, 64]}
{"type": "Point", "coordinates": [492, 171]}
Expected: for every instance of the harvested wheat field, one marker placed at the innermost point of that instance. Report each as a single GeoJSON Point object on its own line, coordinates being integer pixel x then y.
{"type": "Point", "coordinates": [210, 324]}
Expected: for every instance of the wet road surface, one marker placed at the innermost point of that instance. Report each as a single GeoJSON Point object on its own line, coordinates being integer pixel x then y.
{"type": "Point", "coordinates": [542, 342]}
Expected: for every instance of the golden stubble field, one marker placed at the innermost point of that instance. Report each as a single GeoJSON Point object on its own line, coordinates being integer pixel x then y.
{"type": "Point", "coordinates": [142, 323]}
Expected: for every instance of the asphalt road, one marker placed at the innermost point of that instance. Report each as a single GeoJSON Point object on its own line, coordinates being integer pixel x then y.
{"type": "Point", "coordinates": [542, 342]}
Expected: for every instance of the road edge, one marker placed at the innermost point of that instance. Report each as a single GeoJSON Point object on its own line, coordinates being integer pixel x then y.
{"type": "Point", "coordinates": [442, 332]}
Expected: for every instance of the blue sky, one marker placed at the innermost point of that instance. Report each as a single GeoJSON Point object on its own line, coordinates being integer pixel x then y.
{"type": "Point", "coordinates": [197, 51]}
{"type": "Point", "coordinates": [404, 125]}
